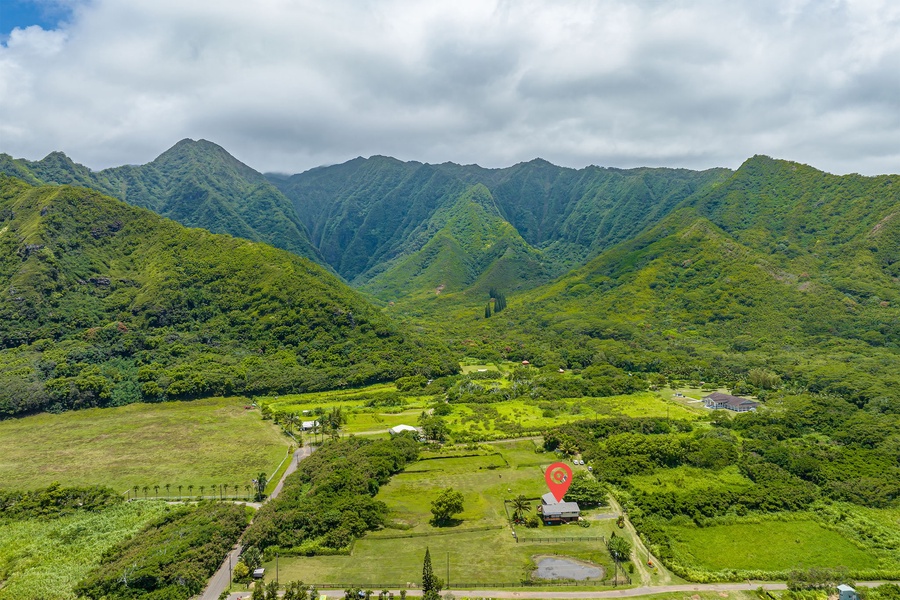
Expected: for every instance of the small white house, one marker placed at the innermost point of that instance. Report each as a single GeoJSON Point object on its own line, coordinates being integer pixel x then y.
{"type": "Point", "coordinates": [308, 425]}
{"type": "Point", "coordinates": [398, 429]}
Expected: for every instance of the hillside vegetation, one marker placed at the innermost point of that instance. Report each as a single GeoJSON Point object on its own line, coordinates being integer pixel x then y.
{"type": "Point", "coordinates": [106, 304]}
{"type": "Point", "coordinates": [781, 269]}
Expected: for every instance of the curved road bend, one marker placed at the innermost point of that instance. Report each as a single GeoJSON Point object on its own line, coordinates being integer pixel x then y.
{"type": "Point", "coordinates": [218, 583]}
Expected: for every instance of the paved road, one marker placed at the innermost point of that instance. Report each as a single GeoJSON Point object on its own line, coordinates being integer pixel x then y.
{"type": "Point", "coordinates": [623, 593]}
{"type": "Point", "coordinates": [220, 581]}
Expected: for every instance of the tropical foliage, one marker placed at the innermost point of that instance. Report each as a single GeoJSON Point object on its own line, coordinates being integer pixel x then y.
{"type": "Point", "coordinates": [110, 304]}
{"type": "Point", "coordinates": [329, 502]}
{"type": "Point", "coordinates": [172, 558]}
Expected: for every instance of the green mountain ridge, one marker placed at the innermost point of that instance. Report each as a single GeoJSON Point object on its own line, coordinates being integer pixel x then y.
{"type": "Point", "coordinates": [368, 215]}
{"type": "Point", "coordinates": [105, 304]}
{"type": "Point", "coordinates": [196, 183]}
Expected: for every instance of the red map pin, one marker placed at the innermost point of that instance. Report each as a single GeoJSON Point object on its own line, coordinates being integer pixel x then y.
{"type": "Point", "coordinates": [559, 478]}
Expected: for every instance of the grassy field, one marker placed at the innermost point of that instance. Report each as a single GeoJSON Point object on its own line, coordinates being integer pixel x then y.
{"type": "Point", "coordinates": [46, 558]}
{"type": "Point", "coordinates": [691, 478]}
{"type": "Point", "coordinates": [507, 419]}
{"type": "Point", "coordinates": [204, 442]}
{"type": "Point", "coordinates": [475, 557]}
{"type": "Point", "coordinates": [493, 421]}
{"type": "Point", "coordinates": [492, 473]}
{"type": "Point", "coordinates": [769, 546]}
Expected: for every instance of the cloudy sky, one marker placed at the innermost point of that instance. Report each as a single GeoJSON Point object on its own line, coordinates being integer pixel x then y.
{"type": "Point", "coordinates": [286, 85]}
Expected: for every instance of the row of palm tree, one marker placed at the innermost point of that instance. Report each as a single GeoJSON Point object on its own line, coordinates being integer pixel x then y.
{"type": "Point", "coordinates": [220, 490]}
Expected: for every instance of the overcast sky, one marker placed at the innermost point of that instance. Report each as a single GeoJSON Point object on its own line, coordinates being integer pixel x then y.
{"type": "Point", "coordinates": [286, 85]}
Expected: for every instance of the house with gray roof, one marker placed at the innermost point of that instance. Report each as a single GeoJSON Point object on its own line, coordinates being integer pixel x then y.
{"type": "Point", "coordinates": [718, 400]}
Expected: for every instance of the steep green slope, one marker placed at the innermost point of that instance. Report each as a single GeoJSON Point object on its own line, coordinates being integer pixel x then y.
{"type": "Point", "coordinates": [573, 214]}
{"type": "Point", "coordinates": [365, 213]}
{"type": "Point", "coordinates": [197, 183]}
{"type": "Point", "coordinates": [781, 268]}
{"type": "Point", "coordinates": [469, 247]}
{"type": "Point", "coordinates": [105, 303]}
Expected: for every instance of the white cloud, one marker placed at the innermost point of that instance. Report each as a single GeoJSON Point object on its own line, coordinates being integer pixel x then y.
{"type": "Point", "coordinates": [290, 84]}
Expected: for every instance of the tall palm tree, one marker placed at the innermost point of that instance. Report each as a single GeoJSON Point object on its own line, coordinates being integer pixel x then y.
{"type": "Point", "coordinates": [520, 507]}
{"type": "Point", "coordinates": [146, 489]}
{"type": "Point", "coordinates": [135, 488]}
{"type": "Point", "coordinates": [315, 429]}
{"type": "Point", "coordinates": [247, 488]}
{"type": "Point", "coordinates": [335, 419]}
{"type": "Point", "coordinates": [168, 486]}
{"type": "Point", "coordinates": [191, 490]}
{"type": "Point", "coordinates": [291, 420]}
{"type": "Point", "coordinates": [156, 490]}
{"type": "Point", "coordinates": [179, 493]}
{"type": "Point", "coordinates": [202, 488]}
{"type": "Point", "coordinates": [236, 488]}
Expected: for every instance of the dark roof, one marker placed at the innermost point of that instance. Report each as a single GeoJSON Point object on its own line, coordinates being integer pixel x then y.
{"type": "Point", "coordinates": [729, 400]}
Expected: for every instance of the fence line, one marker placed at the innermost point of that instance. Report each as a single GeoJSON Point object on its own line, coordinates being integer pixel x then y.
{"type": "Point", "coordinates": [397, 536]}
{"type": "Point", "coordinates": [551, 540]}
{"type": "Point", "coordinates": [377, 587]}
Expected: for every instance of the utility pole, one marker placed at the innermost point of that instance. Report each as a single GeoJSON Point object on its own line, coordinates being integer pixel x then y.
{"type": "Point", "coordinates": [448, 569]}
{"type": "Point", "coordinates": [276, 568]}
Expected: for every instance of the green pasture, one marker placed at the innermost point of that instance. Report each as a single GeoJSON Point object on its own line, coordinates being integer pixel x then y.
{"type": "Point", "coordinates": [486, 474]}
{"type": "Point", "coordinates": [507, 419]}
{"type": "Point", "coordinates": [769, 546]}
{"type": "Point", "coordinates": [684, 478]}
{"type": "Point", "coordinates": [485, 481]}
{"type": "Point", "coordinates": [46, 558]}
{"type": "Point", "coordinates": [475, 557]}
{"type": "Point", "coordinates": [204, 442]}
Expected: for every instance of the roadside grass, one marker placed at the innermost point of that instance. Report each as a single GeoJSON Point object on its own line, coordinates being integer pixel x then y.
{"type": "Point", "coordinates": [686, 478]}
{"type": "Point", "coordinates": [46, 558]}
{"type": "Point", "coordinates": [203, 442]}
{"type": "Point", "coordinates": [768, 546]}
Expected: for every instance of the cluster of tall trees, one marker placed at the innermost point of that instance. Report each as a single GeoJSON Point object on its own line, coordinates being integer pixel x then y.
{"type": "Point", "coordinates": [329, 501]}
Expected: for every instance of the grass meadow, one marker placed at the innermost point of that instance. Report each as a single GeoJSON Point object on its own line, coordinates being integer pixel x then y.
{"type": "Point", "coordinates": [480, 547]}
{"type": "Point", "coordinates": [203, 442]}
{"type": "Point", "coordinates": [770, 546]}
{"type": "Point", "coordinates": [686, 478]}
{"type": "Point", "coordinates": [46, 558]}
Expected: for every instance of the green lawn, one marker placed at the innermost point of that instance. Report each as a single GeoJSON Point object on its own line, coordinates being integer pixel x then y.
{"type": "Point", "coordinates": [769, 546]}
{"type": "Point", "coordinates": [204, 442]}
{"type": "Point", "coordinates": [46, 558]}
